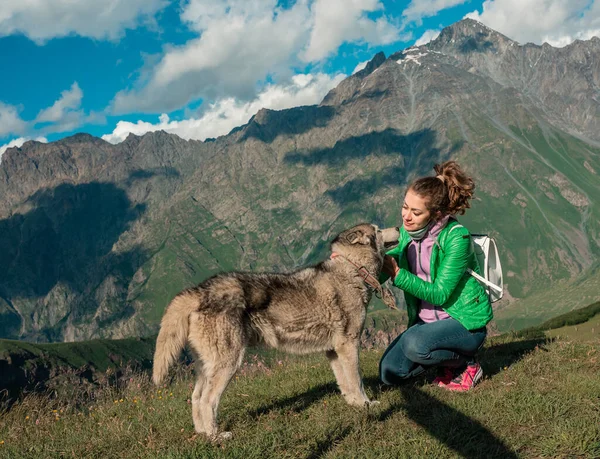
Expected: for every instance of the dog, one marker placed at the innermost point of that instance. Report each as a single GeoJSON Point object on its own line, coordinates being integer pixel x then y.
{"type": "Point", "coordinates": [320, 308]}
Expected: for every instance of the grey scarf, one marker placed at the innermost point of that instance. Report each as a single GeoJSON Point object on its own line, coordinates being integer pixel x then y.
{"type": "Point", "coordinates": [419, 234]}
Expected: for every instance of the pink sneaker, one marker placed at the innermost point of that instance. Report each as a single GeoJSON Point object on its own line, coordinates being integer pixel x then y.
{"type": "Point", "coordinates": [445, 375]}
{"type": "Point", "coordinates": [467, 379]}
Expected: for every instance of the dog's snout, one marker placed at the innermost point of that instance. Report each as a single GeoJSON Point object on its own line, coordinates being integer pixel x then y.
{"type": "Point", "coordinates": [390, 235]}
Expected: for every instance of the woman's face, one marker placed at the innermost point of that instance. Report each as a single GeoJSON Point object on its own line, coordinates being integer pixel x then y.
{"type": "Point", "coordinates": [414, 212]}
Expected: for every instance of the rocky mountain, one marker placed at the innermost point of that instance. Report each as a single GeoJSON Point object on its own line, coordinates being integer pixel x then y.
{"type": "Point", "coordinates": [95, 238]}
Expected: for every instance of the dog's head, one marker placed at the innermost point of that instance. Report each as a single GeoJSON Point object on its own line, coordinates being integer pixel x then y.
{"type": "Point", "coordinates": [365, 237]}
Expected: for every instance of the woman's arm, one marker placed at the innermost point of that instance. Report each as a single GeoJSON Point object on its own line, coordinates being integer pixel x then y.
{"type": "Point", "coordinates": [450, 272]}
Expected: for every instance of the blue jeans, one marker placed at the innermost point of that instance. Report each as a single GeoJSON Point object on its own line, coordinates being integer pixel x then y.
{"type": "Point", "coordinates": [444, 342]}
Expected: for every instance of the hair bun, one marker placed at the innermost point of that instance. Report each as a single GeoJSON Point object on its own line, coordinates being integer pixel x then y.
{"type": "Point", "coordinates": [459, 185]}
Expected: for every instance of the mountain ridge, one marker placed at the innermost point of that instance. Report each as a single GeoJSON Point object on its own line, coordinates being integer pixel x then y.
{"type": "Point", "coordinates": [96, 238]}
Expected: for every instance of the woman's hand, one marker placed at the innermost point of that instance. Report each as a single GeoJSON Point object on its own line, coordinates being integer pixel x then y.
{"type": "Point", "coordinates": [390, 266]}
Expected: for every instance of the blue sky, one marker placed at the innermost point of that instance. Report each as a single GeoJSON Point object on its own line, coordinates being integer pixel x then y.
{"type": "Point", "coordinates": [198, 68]}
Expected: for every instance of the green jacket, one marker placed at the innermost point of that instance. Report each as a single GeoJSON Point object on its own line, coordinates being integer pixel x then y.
{"type": "Point", "coordinates": [451, 286]}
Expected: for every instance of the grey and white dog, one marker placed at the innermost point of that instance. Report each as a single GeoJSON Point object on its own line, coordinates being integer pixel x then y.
{"type": "Point", "coordinates": [318, 308]}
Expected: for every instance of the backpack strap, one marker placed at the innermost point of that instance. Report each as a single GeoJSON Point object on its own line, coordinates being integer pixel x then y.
{"type": "Point", "coordinates": [457, 225]}
{"type": "Point", "coordinates": [468, 270]}
{"type": "Point", "coordinates": [484, 280]}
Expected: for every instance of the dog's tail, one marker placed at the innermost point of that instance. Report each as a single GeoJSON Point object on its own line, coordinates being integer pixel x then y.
{"type": "Point", "coordinates": [173, 334]}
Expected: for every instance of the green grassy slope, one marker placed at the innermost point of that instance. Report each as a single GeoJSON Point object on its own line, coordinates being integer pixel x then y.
{"type": "Point", "coordinates": [27, 367]}
{"type": "Point", "coordinates": [538, 399]}
{"type": "Point", "coordinates": [99, 354]}
{"type": "Point", "coordinates": [587, 331]}
{"type": "Point", "coordinates": [555, 299]}
{"type": "Point", "coordinates": [559, 324]}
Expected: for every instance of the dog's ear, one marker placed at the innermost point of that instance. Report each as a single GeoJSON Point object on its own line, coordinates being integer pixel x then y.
{"type": "Point", "coordinates": [358, 237]}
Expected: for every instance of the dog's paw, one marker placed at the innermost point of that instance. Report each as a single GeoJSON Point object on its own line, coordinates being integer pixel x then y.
{"type": "Point", "coordinates": [222, 436]}
{"type": "Point", "coordinates": [372, 403]}
{"type": "Point", "coordinates": [225, 435]}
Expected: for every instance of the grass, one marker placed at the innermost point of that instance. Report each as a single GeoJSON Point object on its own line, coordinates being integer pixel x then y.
{"type": "Point", "coordinates": [538, 399]}
{"type": "Point", "coordinates": [560, 324]}
{"type": "Point", "coordinates": [589, 330]}
{"type": "Point", "coordinates": [26, 367]}
{"type": "Point", "coordinates": [563, 297]}
{"type": "Point", "coordinates": [99, 354]}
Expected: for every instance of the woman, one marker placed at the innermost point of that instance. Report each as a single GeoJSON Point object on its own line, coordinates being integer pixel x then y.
{"type": "Point", "coordinates": [447, 308]}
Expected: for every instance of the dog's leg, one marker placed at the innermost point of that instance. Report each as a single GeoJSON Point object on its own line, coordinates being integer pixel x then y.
{"type": "Point", "coordinates": [220, 341]}
{"type": "Point", "coordinates": [217, 381]}
{"type": "Point", "coordinates": [338, 371]}
{"type": "Point", "coordinates": [196, 395]}
{"type": "Point", "coordinates": [348, 358]}
{"type": "Point", "coordinates": [227, 356]}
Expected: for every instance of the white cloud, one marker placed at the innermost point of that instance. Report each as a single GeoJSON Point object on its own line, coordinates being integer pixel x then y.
{"type": "Point", "coordinates": [427, 36]}
{"type": "Point", "coordinates": [339, 21]}
{"type": "Point", "coordinates": [227, 113]}
{"type": "Point", "coordinates": [242, 43]}
{"type": "Point", "coordinates": [419, 9]}
{"type": "Point", "coordinates": [10, 121]}
{"type": "Point", "coordinates": [560, 41]}
{"type": "Point", "coordinates": [69, 101]}
{"type": "Point", "coordinates": [557, 22]}
{"type": "Point", "coordinates": [359, 67]}
{"type": "Point", "coordinates": [65, 114]}
{"type": "Point", "coordinates": [41, 20]}
{"type": "Point", "coordinates": [18, 143]}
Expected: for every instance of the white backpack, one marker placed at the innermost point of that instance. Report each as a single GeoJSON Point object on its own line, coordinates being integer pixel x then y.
{"type": "Point", "coordinates": [486, 252]}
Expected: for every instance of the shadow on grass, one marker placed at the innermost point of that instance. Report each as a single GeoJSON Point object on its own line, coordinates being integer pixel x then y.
{"type": "Point", "coordinates": [463, 434]}
{"type": "Point", "coordinates": [327, 444]}
{"type": "Point", "coordinates": [495, 357]}
{"type": "Point", "coordinates": [298, 402]}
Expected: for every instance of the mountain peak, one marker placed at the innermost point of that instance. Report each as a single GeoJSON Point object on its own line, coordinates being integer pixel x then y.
{"type": "Point", "coordinates": [81, 137]}
{"type": "Point", "coordinates": [469, 36]}
{"type": "Point", "coordinates": [349, 87]}
{"type": "Point", "coordinates": [372, 65]}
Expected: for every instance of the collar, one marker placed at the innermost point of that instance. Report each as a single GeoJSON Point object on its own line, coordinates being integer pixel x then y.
{"type": "Point", "coordinates": [368, 278]}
